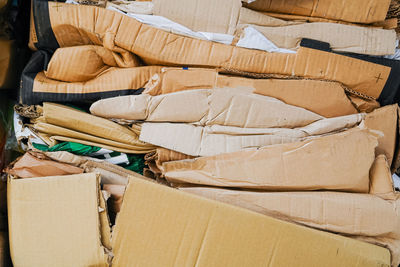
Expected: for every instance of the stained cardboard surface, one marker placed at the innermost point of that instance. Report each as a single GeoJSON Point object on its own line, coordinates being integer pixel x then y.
{"type": "Point", "coordinates": [185, 230]}
{"type": "Point", "coordinates": [335, 162]}
{"type": "Point", "coordinates": [362, 11]}
{"type": "Point", "coordinates": [205, 15]}
{"type": "Point", "coordinates": [54, 221]}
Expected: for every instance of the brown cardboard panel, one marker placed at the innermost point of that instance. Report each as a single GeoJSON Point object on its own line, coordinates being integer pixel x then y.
{"type": "Point", "coordinates": [248, 16]}
{"type": "Point", "coordinates": [110, 80]}
{"type": "Point", "coordinates": [81, 122]}
{"type": "Point", "coordinates": [381, 182]}
{"type": "Point", "coordinates": [360, 11]}
{"type": "Point", "coordinates": [37, 165]}
{"type": "Point", "coordinates": [185, 230]}
{"type": "Point", "coordinates": [196, 140]}
{"type": "Point", "coordinates": [54, 221]}
{"type": "Point", "coordinates": [221, 106]}
{"type": "Point", "coordinates": [80, 25]}
{"type": "Point", "coordinates": [327, 99]}
{"type": "Point", "coordinates": [344, 38]}
{"type": "Point", "coordinates": [86, 62]}
{"type": "Point", "coordinates": [335, 162]}
{"type": "Point", "coordinates": [385, 120]}
{"type": "Point", "coordinates": [344, 213]}
{"type": "Point", "coordinates": [364, 105]}
{"type": "Point", "coordinates": [204, 15]}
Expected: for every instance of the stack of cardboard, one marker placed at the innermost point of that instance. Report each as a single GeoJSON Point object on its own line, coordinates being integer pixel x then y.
{"type": "Point", "coordinates": [269, 130]}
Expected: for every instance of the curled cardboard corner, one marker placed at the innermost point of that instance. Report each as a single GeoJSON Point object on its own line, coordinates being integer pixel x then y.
{"type": "Point", "coordinates": [381, 182]}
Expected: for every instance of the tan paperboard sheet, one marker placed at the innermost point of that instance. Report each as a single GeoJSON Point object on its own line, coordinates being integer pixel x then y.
{"type": "Point", "coordinates": [179, 229]}
{"type": "Point", "coordinates": [221, 106]}
{"type": "Point", "coordinates": [384, 119]}
{"type": "Point", "coordinates": [93, 25]}
{"type": "Point", "coordinates": [327, 99]}
{"type": "Point", "coordinates": [360, 11]}
{"type": "Point", "coordinates": [344, 213]}
{"type": "Point", "coordinates": [381, 182]}
{"type": "Point", "coordinates": [55, 221]}
{"type": "Point", "coordinates": [334, 162]}
{"type": "Point", "coordinates": [110, 80]}
{"type": "Point", "coordinates": [193, 230]}
{"type": "Point", "coordinates": [344, 38]}
{"type": "Point", "coordinates": [212, 140]}
{"type": "Point", "coordinates": [201, 15]}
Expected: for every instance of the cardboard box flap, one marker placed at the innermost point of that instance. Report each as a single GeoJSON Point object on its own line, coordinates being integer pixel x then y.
{"type": "Point", "coordinates": [345, 38]}
{"type": "Point", "coordinates": [307, 94]}
{"type": "Point", "coordinates": [358, 215]}
{"type": "Point", "coordinates": [212, 140]}
{"type": "Point", "coordinates": [381, 182]}
{"type": "Point", "coordinates": [54, 221]}
{"type": "Point", "coordinates": [205, 15]}
{"type": "Point", "coordinates": [185, 230]}
{"type": "Point", "coordinates": [158, 47]}
{"type": "Point", "coordinates": [384, 119]}
{"type": "Point", "coordinates": [225, 106]}
{"type": "Point", "coordinates": [335, 162]}
{"type": "Point", "coordinates": [360, 11]}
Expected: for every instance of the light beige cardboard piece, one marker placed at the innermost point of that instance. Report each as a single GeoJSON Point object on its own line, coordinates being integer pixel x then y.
{"type": "Point", "coordinates": [201, 15]}
{"type": "Point", "coordinates": [325, 98]}
{"type": "Point", "coordinates": [359, 11]}
{"type": "Point", "coordinates": [344, 213]}
{"type": "Point", "coordinates": [343, 38]}
{"type": "Point", "coordinates": [221, 106]}
{"type": "Point", "coordinates": [212, 140]}
{"type": "Point", "coordinates": [198, 232]}
{"type": "Point", "coordinates": [338, 162]}
{"type": "Point", "coordinates": [158, 47]}
{"type": "Point", "coordinates": [59, 225]}
{"type": "Point", "coordinates": [214, 233]}
{"type": "Point", "coordinates": [385, 120]}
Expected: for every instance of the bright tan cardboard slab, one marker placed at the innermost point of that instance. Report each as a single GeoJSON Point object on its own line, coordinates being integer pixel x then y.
{"type": "Point", "coordinates": [334, 162]}
{"type": "Point", "coordinates": [194, 230]}
{"type": "Point", "coordinates": [186, 230]}
{"type": "Point", "coordinates": [344, 213]}
{"type": "Point", "coordinates": [212, 140]}
{"type": "Point", "coordinates": [223, 106]}
{"type": "Point", "coordinates": [110, 80]}
{"type": "Point", "coordinates": [344, 38]}
{"type": "Point", "coordinates": [360, 11]}
{"type": "Point", "coordinates": [385, 120]}
{"type": "Point", "coordinates": [59, 225]}
{"type": "Point", "coordinates": [87, 62]}
{"type": "Point", "coordinates": [327, 99]}
{"type": "Point", "coordinates": [154, 46]}
{"type": "Point", "coordinates": [201, 15]}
